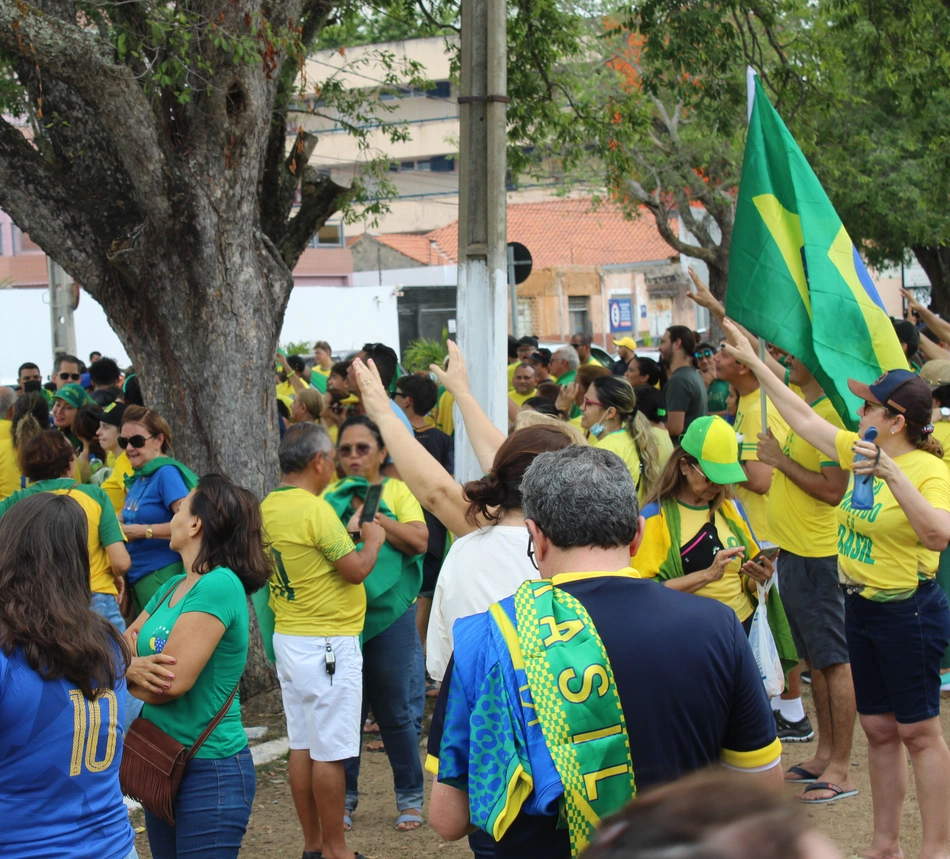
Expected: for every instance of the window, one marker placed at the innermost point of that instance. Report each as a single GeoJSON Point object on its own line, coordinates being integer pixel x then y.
{"type": "Point", "coordinates": [328, 236]}
{"type": "Point", "coordinates": [441, 164]}
{"type": "Point", "coordinates": [22, 243]}
{"type": "Point", "coordinates": [578, 311]}
{"type": "Point", "coordinates": [440, 89]}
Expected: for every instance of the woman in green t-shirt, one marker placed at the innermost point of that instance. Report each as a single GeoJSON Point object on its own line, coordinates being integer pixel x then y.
{"type": "Point", "coordinates": [897, 619]}
{"type": "Point", "coordinates": [190, 647]}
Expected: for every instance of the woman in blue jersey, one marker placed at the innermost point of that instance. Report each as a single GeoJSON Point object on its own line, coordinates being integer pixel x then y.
{"type": "Point", "coordinates": [62, 680]}
{"type": "Point", "coordinates": [197, 626]}
{"type": "Point", "coordinates": [156, 487]}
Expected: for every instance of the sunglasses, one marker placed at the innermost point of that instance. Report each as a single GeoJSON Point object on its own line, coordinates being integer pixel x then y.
{"type": "Point", "coordinates": [137, 441]}
{"type": "Point", "coordinates": [530, 552]}
{"type": "Point", "coordinates": [700, 472]}
{"type": "Point", "coordinates": [361, 449]}
{"type": "Point", "coordinates": [703, 353]}
{"type": "Point", "coordinates": [396, 394]}
{"type": "Point", "coordinates": [65, 377]}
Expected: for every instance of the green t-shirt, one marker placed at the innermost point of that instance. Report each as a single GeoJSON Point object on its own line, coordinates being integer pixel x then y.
{"type": "Point", "coordinates": [219, 593]}
{"type": "Point", "coordinates": [318, 378]}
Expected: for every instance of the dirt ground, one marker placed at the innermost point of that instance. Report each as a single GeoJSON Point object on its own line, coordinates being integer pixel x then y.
{"type": "Point", "coordinates": [274, 833]}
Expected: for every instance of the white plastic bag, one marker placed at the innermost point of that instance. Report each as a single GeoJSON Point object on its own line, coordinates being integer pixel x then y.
{"type": "Point", "coordinates": [763, 647]}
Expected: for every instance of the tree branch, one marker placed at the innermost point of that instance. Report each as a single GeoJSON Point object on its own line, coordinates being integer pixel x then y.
{"type": "Point", "coordinates": [43, 202]}
{"type": "Point", "coordinates": [83, 61]}
{"type": "Point", "coordinates": [320, 198]}
{"type": "Point", "coordinates": [661, 216]}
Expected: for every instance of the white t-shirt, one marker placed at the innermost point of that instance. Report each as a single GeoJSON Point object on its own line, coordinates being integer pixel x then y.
{"type": "Point", "coordinates": [481, 568]}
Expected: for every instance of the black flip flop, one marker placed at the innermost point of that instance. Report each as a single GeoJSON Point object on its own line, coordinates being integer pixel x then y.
{"type": "Point", "coordinates": [838, 793]}
{"type": "Point", "coordinates": [805, 777]}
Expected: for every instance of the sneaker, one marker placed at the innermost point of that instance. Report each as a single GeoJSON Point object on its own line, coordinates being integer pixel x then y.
{"type": "Point", "coordinates": [793, 732]}
{"type": "Point", "coordinates": [806, 677]}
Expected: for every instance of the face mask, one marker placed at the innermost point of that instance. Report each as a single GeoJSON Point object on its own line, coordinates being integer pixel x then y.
{"type": "Point", "coordinates": [597, 430]}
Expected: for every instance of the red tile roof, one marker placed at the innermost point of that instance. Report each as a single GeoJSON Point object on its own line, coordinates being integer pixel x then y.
{"type": "Point", "coordinates": [570, 232]}
{"type": "Point", "coordinates": [416, 246]}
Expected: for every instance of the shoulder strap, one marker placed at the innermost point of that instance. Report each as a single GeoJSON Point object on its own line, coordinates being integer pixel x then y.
{"type": "Point", "coordinates": [212, 724]}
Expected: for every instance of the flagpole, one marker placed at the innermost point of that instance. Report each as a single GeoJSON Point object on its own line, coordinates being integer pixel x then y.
{"type": "Point", "coordinates": [750, 93]}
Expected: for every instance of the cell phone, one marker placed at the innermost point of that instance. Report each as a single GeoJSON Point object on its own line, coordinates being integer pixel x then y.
{"type": "Point", "coordinates": [769, 553]}
{"type": "Point", "coordinates": [371, 504]}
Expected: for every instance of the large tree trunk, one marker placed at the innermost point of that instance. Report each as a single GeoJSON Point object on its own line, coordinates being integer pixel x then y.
{"type": "Point", "coordinates": [174, 209]}
{"type": "Point", "coordinates": [936, 262]}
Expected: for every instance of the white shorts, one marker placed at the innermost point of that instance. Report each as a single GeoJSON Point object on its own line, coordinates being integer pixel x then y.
{"type": "Point", "coordinates": [322, 717]}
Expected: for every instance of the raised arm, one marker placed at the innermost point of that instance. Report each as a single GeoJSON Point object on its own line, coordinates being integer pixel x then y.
{"type": "Point", "coordinates": [483, 435]}
{"type": "Point", "coordinates": [939, 326]}
{"type": "Point", "coordinates": [704, 298]}
{"type": "Point", "coordinates": [797, 414]}
{"type": "Point", "coordinates": [428, 481]}
{"type": "Point", "coordinates": [932, 350]}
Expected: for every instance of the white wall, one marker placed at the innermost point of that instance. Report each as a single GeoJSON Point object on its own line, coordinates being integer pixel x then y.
{"type": "Point", "coordinates": [345, 316]}
{"type": "Point", "coordinates": [430, 275]}
{"type": "Point", "coordinates": [25, 327]}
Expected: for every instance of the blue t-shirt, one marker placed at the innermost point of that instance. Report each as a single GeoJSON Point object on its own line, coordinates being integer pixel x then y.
{"type": "Point", "coordinates": [149, 503]}
{"type": "Point", "coordinates": [687, 679]}
{"type": "Point", "coordinates": [59, 779]}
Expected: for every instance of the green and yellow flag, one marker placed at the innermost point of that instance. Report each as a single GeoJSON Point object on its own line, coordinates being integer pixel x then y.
{"type": "Point", "coordinates": [795, 277]}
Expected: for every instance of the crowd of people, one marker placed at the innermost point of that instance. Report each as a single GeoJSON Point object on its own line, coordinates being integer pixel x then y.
{"type": "Point", "coordinates": [580, 615]}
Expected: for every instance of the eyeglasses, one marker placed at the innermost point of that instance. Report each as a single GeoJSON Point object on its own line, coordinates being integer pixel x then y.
{"type": "Point", "coordinates": [361, 449]}
{"type": "Point", "coordinates": [398, 394]}
{"type": "Point", "coordinates": [700, 472]}
{"type": "Point", "coordinates": [137, 441]}
{"type": "Point", "coordinates": [703, 353]}
{"type": "Point", "coordinates": [534, 563]}
{"type": "Point", "coordinates": [65, 377]}
{"type": "Point", "coordinates": [594, 403]}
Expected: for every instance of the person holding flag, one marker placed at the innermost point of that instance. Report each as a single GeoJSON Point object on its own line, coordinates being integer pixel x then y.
{"type": "Point", "coordinates": [897, 617]}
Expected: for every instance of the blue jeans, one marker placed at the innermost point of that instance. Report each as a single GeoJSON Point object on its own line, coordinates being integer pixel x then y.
{"type": "Point", "coordinates": [211, 810]}
{"type": "Point", "coordinates": [106, 606]}
{"type": "Point", "coordinates": [132, 854]}
{"type": "Point", "coordinates": [417, 683]}
{"type": "Point", "coordinates": [895, 650]}
{"type": "Point", "coordinates": [388, 662]}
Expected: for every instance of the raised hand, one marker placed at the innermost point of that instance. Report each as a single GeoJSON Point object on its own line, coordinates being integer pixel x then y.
{"type": "Point", "coordinates": [454, 376]}
{"type": "Point", "coordinates": [373, 394]}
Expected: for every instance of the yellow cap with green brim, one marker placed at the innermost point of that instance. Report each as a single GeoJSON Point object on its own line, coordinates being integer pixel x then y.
{"type": "Point", "coordinates": [713, 442]}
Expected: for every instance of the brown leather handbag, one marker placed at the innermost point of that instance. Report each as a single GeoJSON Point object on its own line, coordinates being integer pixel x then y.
{"type": "Point", "coordinates": [153, 763]}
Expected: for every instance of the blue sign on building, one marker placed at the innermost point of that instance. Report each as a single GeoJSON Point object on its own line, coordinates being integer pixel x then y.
{"type": "Point", "coordinates": [621, 315]}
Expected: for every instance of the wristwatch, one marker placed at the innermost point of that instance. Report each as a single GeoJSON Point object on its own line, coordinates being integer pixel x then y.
{"type": "Point", "coordinates": [148, 532]}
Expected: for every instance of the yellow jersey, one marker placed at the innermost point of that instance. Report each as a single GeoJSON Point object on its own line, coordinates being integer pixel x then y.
{"type": "Point", "coordinates": [942, 434]}
{"type": "Point", "coordinates": [307, 594]}
{"type": "Point", "coordinates": [520, 398]}
{"type": "Point", "coordinates": [748, 425]}
{"type": "Point", "coordinates": [878, 548]}
{"type": "Point", "coordinates": [796, 521]}
{"type": "Point", "coordinates": [620, 442]}
{"type": "Point", "coordinates": [664, 445]}
{"type": "Point", "coordinates": [114, 484]}
{"type": "Point", "coordinates": [446, 420]}
{"type": "Point", "coordinates": [729, 589]}
{"type": "Point", "coordinates": [104, 529]}
{"type": "Point", "coordinates": [9, 468]}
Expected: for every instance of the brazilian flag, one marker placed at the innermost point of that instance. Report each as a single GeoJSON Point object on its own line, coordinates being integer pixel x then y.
{"type": "Point", "coordinates": [795, 277]}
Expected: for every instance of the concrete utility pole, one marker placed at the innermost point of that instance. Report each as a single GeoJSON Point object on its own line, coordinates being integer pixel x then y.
{"type": "Point", "coordinates": [483, 262]}
{"type": "Point", "coordinates": [62, 329]}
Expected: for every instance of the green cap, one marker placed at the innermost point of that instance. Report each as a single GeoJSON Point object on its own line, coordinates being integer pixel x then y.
{"type": "Point", "coordinates": [75, 395]}
{"type": "Point", "coordinates": [713, 442]}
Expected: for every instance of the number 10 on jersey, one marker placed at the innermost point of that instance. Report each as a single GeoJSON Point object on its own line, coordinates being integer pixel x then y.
{"type": "Point", "coordinates": [87, 720]}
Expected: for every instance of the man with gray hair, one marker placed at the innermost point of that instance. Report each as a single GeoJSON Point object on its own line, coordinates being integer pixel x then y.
{"type": "Point", "coordinates": [9, 469]}
{"type": "Point", "coordinates": [590, 684]}
{"type": "Point", "coordinates": [564, 364]}
{"type": "Point", "coordinates": [316, 592]}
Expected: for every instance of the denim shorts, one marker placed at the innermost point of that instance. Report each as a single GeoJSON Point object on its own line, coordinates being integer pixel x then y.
{"type": "Point", "coordinates": [895, 650]}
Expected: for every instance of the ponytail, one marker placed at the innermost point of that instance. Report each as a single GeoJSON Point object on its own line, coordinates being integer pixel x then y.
{"type": "Point", "coordinates": [922, 436]}
{"type": "Point", "coordinates": [616, 392]}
